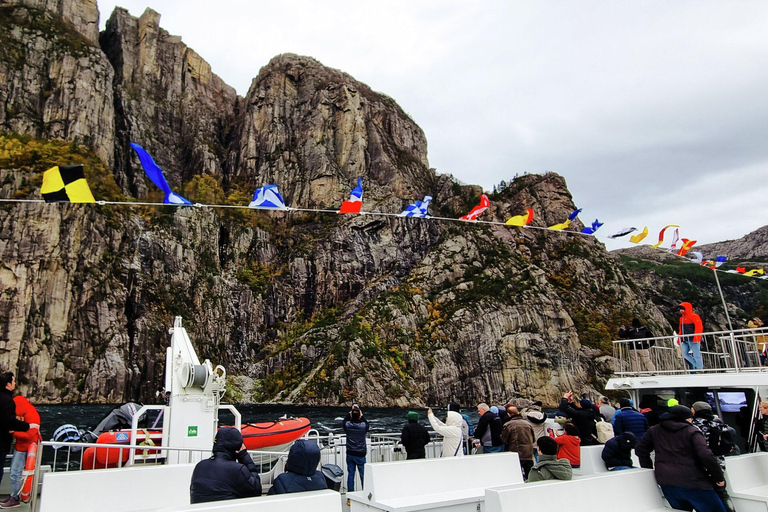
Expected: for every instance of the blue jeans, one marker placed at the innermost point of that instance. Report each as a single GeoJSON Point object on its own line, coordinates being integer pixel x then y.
{"type": "Point", "coordinates": [354, 462]}
{"type": "Point", "coordinates": [18, 462]}
{"type": "Point", "coordinates": [683, 498]}
{"type": "Point", "coordinates": [493, 449]}
{"type": "Point", "coordinates": [692, 354]}
{"type": "Point", "coordinates": [619, 468]}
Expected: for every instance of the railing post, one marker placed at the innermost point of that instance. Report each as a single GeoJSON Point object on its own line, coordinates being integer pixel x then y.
{"type": "Point", "coordinates": [736, 365]}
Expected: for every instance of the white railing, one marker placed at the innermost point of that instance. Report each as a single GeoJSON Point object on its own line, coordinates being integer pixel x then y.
{"type": "Point", "coordinates": [721, 352]}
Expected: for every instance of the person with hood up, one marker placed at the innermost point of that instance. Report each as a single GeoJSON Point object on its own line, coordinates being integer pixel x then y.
{"type": "Point", "coordinates": [617, 452]}
{"type": "Point", "coordinates": [488, 430]}
{"type": "Point", "coordinates": [583, 416]}
{"type": "Point", "coordinates": [301, 472]}
{"type": "Point", "coordinates": [414, 437]}
{"type": "Point", "coordinates": [356, 428]}
{"type": "Point", "coordinates": [627, 419]}
{"type": "Point", "coordinates": [230, 472]}
{"type": "Point", "coordinates": [690, 330]}
{"type": "Point", "coordinates": [450, 430]}
{"type": "Point", "coordinates": [685, 468]}
{"type": "Point", "coordinates": [549, 466]}
{"type": "Point", "coordinates": [26, 412]}
{"type": "Point", "coordinates": [467, 429]}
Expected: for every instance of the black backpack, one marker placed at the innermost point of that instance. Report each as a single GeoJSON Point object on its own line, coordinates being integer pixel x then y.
{"type": "Point", "coordinates": [721, 440]}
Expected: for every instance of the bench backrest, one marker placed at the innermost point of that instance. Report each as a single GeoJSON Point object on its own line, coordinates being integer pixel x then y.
{"type": "Point", "coordinates": [314, 501]}
{"type": "Point", "coordinates": [388, 480]}
{"type": "Point", "coordinates": [592, 461]}
{"type": "Point", "coordinates": [638, 486]}
{"type": "Point", "coordinates": [746, 471]}
{"type": "Point", "coordinates": [116, 490]}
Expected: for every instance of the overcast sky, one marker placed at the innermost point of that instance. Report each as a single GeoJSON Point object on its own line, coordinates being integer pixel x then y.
{"type": "Point", "coordinates": [655, 112]}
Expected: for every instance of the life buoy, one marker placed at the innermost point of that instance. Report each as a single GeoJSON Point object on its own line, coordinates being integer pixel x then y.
{"type": "Point", "coordinates": [29, 473]}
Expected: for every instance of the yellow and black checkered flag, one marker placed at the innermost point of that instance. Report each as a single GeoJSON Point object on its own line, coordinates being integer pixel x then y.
{"type": "Point", "coordinates": [66, 184]}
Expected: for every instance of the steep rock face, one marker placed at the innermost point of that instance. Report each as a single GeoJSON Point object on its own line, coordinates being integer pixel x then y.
{"type": "Point", "coordinates": [54, 80]}
{"type": "Point", "coordinates": [82, 15]}
{"type": "Point", "coordinates": [753, 245]}
{"type": "Point", "coordinates": [314, 130]}
{"type": "Point", "coordinates": [167, 100]}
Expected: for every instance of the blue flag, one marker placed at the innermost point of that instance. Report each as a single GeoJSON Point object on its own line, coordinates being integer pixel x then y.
{"type": "Point", "coordinates": [595, 226]}
{"type": "Point", "coordinates": [418, 208]}
{"type": "Point", "coordinates": [574, 214]}
{"type": "Point", "coordinates": [268, 197]}
{"type": "Point", "coordinates": [155, 173]}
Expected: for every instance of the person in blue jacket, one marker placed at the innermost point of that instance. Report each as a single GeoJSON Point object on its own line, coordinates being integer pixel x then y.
{"type": "Point", "coordinates": [627, 419]}
{"type": "Point", "coordinates": [301, 473]}
{"type": "Point", "coordinates": [356, 428]}
{"type": "Point", "coordinates": [229, 474]}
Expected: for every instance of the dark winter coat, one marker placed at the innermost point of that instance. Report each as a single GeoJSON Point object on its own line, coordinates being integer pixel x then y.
{"type": "Point", "coordinates": [226, 475]}
{"type": "Point", "coordinates": [8, 420]}
{"type": "Point", "coordinates": [518, 435]}
{"type": "Point", "coordinates": [629, 420]}
{"type": "Point", "coordinates": [488, 430]}
{"type": "Point", "coordinates": [356, 430]}
{"type": "Point", "coordinates": [584, 420]}
{"type": "Point", "coordinates": [414, 438]}
{"type": "Point", "coordinates": [301, 472]}
{"type": "Point", "coordinates": [705, 421]}
{"type": "Point", "coordinates": [682, 455]}
{"type": "Point", "coordinates": [618, 450]}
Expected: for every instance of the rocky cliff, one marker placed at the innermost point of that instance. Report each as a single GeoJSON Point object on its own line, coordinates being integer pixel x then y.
{"type": "Point", "coordinates": [300, 307]}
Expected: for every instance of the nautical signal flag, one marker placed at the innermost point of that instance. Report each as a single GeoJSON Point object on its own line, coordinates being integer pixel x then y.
{"type": "Point", "coordinates": [155, 173]}
{"type": "Point", "coordinates": [66, 184]}
{"type": "Point", "coordinates": [591, 230]}
{"type": "Point", "coordinates": [561, 226]}
{"type": "Point", "coordinates": [623, 232]}
{"type": "Point", "coordinates": [661, 235]}
{"type": "Point", "coordinates": [687, 244]}
{"type": "Point", "coordinates": [636, 239]}
{"type": "Point", "coordinates": [477, 210]}
{"type": "Point", "coordinates": [355, 202]}
{"type": "Point", "coordinates": [418, 208]}
{"type": "Point", "coordinates": [267, 197]}
{"type": "Point", "coordinates": [521, 220]}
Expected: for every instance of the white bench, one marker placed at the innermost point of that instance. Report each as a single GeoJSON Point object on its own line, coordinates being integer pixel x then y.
{"type": "Point", "coordinates": [637, 488]}
{"type": "Point", "coordinates": [747, 478]}
{"type": "Point", "coordinates": [116, 490]}
{"type": "Point", "coordinates": [456, 483]}
{"type": "Point", "coordinates": [314, 501]}
{"type": "Point", "coordinates": [592, 461]}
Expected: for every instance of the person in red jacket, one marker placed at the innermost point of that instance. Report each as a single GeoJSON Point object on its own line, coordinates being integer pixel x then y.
{"type": "Point", "coordinates": [569, 445]}
{"type": "Point", "coordinates": [690, 336]}
{"type": "Point", "coordinates": [25, 411]}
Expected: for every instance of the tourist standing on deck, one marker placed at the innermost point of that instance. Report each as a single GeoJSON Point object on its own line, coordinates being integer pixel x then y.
{"type": "Point", "coordinates": [690, 330]}
{"type": "Point", "coordinates": [25, 411]}
{"type": "Point", "coordinates": [414, 437]}
{"type": "Point", "coordinates": [685, 466]}
{"type": "Point", "coordinates": [301, 472]}
{"type": "Point", "coordinates": [356, 428]}
{"type": "Point", "coordinates": [606, 409]}
{"type": "Point", "coordinates": [450, 430]}
{"type": "Point", "coordinates": [488, 430]}
{"type": "Point", "coordinates": [517, 434]}
{"type": "Point", "coordinates": [640, 354]}
{"type": "Point", "coordinates": [549, 466]}
{"type": "Point", "coordinates": [627, 419]}
{"type": "Point", "coordinates": [230, 472]}
{"type": "Point", "coordinates": [467, 429]}
{"type": "Point", "coordinates": [722, 444]}
{"type": "Point", "coordinates": [583, 415]}
{"type": "Point", "coordinates": [8, 421]}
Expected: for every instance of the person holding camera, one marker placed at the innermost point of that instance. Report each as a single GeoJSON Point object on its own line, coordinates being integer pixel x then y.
{"type": "Point", "coordinates": [356, 428]}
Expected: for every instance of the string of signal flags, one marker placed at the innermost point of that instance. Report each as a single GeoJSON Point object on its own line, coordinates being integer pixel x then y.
{"type": "Point", "coordinates": [66, 183]}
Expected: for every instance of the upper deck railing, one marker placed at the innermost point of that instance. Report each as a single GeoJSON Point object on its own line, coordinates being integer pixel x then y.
{"type": "Point", "coordinates": [722, 352]}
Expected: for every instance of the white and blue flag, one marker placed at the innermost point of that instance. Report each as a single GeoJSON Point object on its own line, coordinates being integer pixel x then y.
{"type": "Point", "coordinates": [418, 208]}
{"type": "Point", "coordinates": [267, 197]}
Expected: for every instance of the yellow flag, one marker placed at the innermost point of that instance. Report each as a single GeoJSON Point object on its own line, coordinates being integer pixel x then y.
{"type": "Point", "coordinates": [561, 226]}
{"type": "Point", "coordinates": [635, 239]}
{"type": "Point", "coordinates": [754, 272]}
{"type": "Point", "coordinates": [66, 183]}
{"type": "Point", "coordinates": [521, 220]}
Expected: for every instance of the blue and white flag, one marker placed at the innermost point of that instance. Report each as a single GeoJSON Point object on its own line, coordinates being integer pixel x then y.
{"type": "Point", "coordinates": [720, 260]}
{"type": "Point", "coordinates": [591, 230]}
{"type": "Point", "coordinates": [418, 208]}
{"type": "Point", "coordinates": [267, 197]}
{"type": "Point", "coordinates": [155, 173]}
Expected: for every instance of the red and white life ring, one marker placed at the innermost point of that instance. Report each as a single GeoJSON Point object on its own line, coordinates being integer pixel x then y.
{"type": "Point", "coordinates": [29, 473]}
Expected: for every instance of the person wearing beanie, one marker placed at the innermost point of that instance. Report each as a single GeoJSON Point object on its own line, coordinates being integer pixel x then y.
{"type": "Point", "coordinates": [229, 474]}
{"type": "Point", "coordinates": [549, 466]}
{"type": "Point", "coordinates": [617, 453]}
{"type": "Point", "coordinates": [690, 330]}
{"type": "Point", "coordinates": [356, 428]}
{"type": "Point", "coordinates": [685, 468]}
{"type": "Point", "coordinates": [627, 419]}
{"type": "Point", "coordinates": [583, 416]}
{"type": "Point", "coordinates": [706, 421]}
{"type": "Point", "coordinates": [26, 412]}
{"type": "Point", "coordinates": [414, 437]}
{"type": "Point", "coordinates": [301, 473]}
